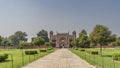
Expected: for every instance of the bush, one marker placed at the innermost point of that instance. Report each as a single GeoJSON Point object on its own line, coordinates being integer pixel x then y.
{"type": "Point", "coordinates": [94, 52]}
{"type": "Point", "coordinates": [31, 52]}
{"type": "Point", "coordinates": [116, 56]}
{"type": "Point", "coordinates": [3, 57]}
{"type": "Point", "coordinates": [76, 48]}
{"type": "Point", "coordinates": [43, 50]}
{"type": "Point", "coordinates": [49, 48]}
{"type": "Point", "coordinates": [82, 49]}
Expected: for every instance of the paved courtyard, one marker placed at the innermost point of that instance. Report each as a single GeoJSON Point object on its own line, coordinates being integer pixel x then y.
{"type": "Point", "coordinates": [62, 58]}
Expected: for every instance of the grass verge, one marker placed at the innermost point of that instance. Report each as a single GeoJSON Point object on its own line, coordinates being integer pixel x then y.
{"type": "Point", "coordinates": [17, 57]}
{"type": "Point", "coordinates": [105, 61]}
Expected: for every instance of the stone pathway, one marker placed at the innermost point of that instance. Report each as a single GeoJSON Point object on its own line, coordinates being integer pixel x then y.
{"type": "Point", "coordinates": [61, 58]}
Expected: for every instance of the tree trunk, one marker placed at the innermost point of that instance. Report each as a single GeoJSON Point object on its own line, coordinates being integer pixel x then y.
{"type": "Point", "coordinates": [100, 49]}
{"type": "Point", "coordinates": [39, 47]}
{"type": "Point", "coordinates": [4, 46]}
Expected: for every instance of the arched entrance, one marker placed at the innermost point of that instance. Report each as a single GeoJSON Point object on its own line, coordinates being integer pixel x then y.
{"type": "Point", "coordinates": [62, 42]}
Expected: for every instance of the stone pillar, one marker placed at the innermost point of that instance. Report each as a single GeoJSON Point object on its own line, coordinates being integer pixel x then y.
{"type": "Point", "coordinates": [57, 40]}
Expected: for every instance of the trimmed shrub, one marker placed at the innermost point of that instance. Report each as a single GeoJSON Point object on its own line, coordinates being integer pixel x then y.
{"type": "Point", "coordinates": [116, 56]}
{"type": "Point", "coordinates": [3, 57]}
{"type": "Point", "coordinates": [43, 50]}
{"type": "Point", "coordinates": [82, 49]}
{"type": "Point", "coordinates": [94, 52]}
{"type": "Point", "coordinates": [31, 52]}
{"type": "Point", "coordinates": [49, 48]}
{"type": "Point", "coordinates": [76, 48]}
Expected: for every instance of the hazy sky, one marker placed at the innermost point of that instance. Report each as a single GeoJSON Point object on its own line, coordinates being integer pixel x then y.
{"type": "Point", "coordinates": [31, 16]}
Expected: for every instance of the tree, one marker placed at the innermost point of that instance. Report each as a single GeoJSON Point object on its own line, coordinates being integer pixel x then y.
{"type": "Point", "coordinates": [51, 44]}
{"type": "Point", "coordinates": [38, 41]}
{"type": "Point", "coordinates": [83, 39]}
{"type": "Point", "coordinates": [112, 38]}
{"type": "Point", "coordinates": [43, 33]}
{"type": "Point", "coordinates": [22, 44]}
{"type": "Point", "coordinates": [17, 37]}
{"type": "Point", "coordinates": [1, 38]}
{"type": "Point", "coordinates": [5, 42]}
{"type": "Point", "coordinates": [13, 39]}
{"type": "Point", "coordinates": [117, 42]}
{"type": "Point", "coordinates": [101, 35]}
{"type": "Point", "coordinates": [47, 44]}
{"type": "Point", "coordinates": [74, 43]}
{"type": "Point", "coordinates": [83, 32]}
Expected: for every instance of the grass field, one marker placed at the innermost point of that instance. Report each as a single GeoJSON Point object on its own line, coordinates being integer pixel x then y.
{"type": "Point", "coordinates": [106, 61]}
{"type": "Point", "coordinates": [19, 57]}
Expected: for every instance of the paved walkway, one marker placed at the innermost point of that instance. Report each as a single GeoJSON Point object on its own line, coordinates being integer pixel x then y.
{"type": "Point", "coordinates": [61, 58]}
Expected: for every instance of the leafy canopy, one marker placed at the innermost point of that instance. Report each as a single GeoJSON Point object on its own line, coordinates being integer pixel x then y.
{"type": "Point", "coordinates": [17, 37]}
{"type": "Point", "coordinates": [44, 34]}
{"type": "Point", "coordinates": [83, 39]}
{"type": "Point", "coordinates": [101, 35]}
{"type": "Point", "coordinates": [1, 38]}
{"type": "Point", "coordinates": [38, 41]}
{"type": "Point", "coordinates": [74, 43]}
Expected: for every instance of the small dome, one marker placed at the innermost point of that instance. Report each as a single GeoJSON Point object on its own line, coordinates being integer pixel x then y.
{"type": "Point", "coordinates": [74, 32]}
{"type": "Point", "coordinates": [51, 32]}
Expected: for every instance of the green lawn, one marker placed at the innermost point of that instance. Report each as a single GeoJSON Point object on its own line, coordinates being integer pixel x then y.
{"type": "Point", "coordinates": [20, 60]}
{"type": "Point", "coordinates": [100, 62]}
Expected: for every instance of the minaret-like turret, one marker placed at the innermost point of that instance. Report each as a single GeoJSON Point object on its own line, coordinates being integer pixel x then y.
{"type": "Point", "coordinates": [74, 34]}
{"type": "Point", "coordinates": [51, 35]}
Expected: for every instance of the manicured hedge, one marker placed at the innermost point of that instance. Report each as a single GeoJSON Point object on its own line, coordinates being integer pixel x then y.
{"type": "Point", "coordinates": [82, 49]}
{"type": "Point", "coordinates": [31, 52]}
{"type": "Point", "coordinates": [43, 50]}
{"type": "Point", "coordinates": [116, 56]}
{"type": "Point", "coordinates": [49, 48]}
{"type": "Point", "coordinates": [76, 48]}
{"type": "Point", "coordinates": [3, 57]}
{"type": "Point", "coordinates": [92, 52]}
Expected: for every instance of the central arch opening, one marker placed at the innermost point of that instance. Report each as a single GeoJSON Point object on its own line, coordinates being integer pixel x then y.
{"type": "Point", "coordinates": [62, 42]}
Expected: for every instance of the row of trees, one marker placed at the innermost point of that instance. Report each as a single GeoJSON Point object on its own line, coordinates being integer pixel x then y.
{"type": "Point", "coordinates": [100, 35]}
{"type": "Point", "coordinates": [19, 39]}
{"type": "Point", "coordinates": [14, 39]}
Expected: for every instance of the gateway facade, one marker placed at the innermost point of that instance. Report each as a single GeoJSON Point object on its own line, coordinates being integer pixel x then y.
{"type": "Point", "coordinates": [62, 39]}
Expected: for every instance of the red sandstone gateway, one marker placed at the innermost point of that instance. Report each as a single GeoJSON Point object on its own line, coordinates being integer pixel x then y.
{"type": "Point", "coordinates": [62, 40]}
